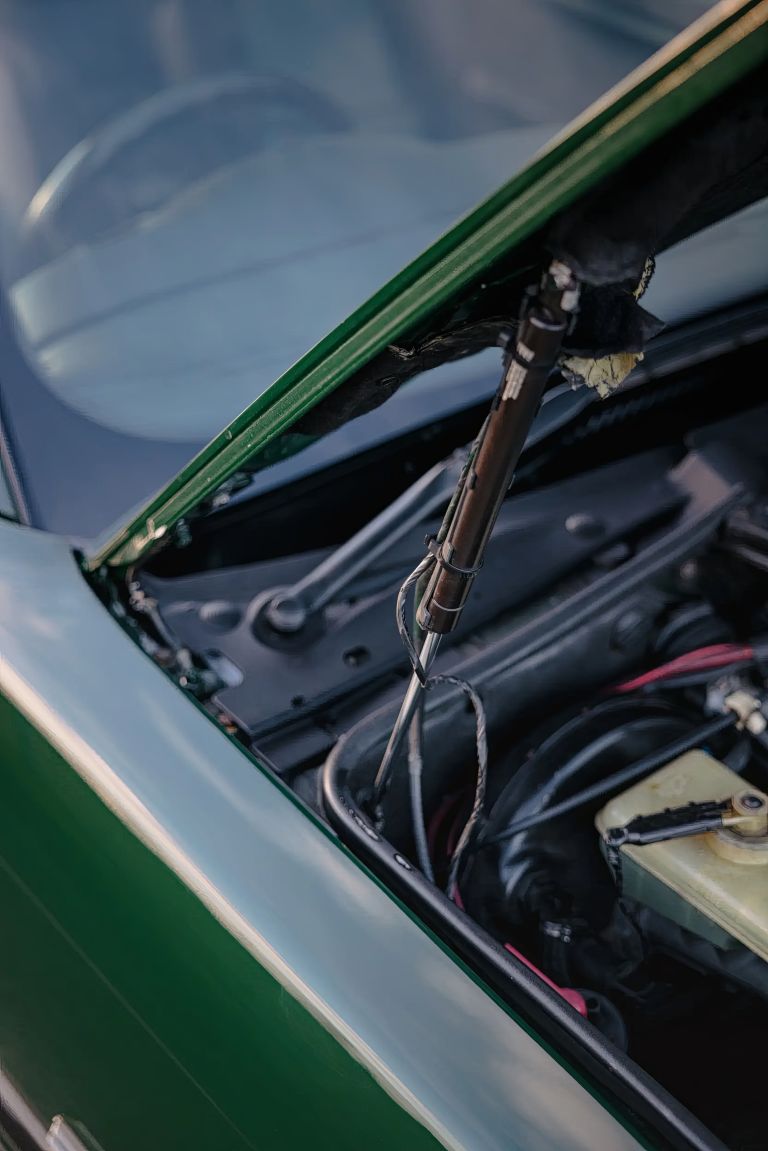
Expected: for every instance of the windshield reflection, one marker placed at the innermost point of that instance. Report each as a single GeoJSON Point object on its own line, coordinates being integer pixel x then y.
{"type": "Point", "coordinates": [192, 194]}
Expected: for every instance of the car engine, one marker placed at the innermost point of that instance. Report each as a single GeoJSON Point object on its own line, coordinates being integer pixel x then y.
{"type": "Point", "coordinates": [590, 832]}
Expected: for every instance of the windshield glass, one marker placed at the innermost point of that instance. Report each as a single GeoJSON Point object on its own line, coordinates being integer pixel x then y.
{"type": "Point", "coordinates": [191, 194]}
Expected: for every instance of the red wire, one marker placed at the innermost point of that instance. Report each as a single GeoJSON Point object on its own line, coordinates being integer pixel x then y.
{"type": "Point", "coordinates": [701, 659]}
{"type": "Point", "coordinates": [438, 819]}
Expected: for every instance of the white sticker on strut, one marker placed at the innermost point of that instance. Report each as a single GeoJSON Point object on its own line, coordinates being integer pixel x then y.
{"type": "Point", "coordinates": [517, 372]}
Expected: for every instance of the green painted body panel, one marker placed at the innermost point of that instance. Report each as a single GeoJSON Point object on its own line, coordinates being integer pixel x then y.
{"type": "Point", "coordinates": [125, 1002]}
{"type": "Point", "coordinates": [706, 59]}
{"type": "Point", "coordinates": [190, 959]}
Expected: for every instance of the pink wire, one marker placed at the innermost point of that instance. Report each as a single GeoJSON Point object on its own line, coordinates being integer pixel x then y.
{"type": "Point", "coordinates": [569, 994]}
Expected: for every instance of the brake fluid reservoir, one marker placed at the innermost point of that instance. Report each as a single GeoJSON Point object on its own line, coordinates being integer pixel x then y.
{"type": "Point", "coordinates": [715, 884]}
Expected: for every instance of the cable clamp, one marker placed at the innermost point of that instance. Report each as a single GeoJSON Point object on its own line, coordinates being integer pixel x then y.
{"type": "Point", "coordinates": [748, 711]}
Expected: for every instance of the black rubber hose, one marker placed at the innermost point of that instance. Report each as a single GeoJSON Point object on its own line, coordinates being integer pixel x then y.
{"type": "Point", "coordinates": [615, 782]}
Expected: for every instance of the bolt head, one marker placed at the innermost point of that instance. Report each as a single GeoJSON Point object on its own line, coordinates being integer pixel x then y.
{"type": "Point", "coordinates": [286, 614]}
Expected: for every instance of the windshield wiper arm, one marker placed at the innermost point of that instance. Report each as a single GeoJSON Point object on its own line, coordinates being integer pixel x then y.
{"type": "Point", "coordinates": [289, 610]}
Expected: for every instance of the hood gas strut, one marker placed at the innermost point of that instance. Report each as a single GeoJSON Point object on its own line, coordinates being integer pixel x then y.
{"type": "Point", "coordinates": [456, 554]}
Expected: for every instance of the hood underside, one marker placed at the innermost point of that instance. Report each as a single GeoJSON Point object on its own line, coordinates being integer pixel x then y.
{"type": "Point", "coordinates": [682, 144]}
{"type": "Point", "coordinates": [708, 168]}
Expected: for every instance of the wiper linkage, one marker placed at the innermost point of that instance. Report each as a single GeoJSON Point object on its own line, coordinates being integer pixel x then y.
{"type": "Point", "coordinates": [289, 610]}
{"type": "Point", "coordinates": [457, 552]}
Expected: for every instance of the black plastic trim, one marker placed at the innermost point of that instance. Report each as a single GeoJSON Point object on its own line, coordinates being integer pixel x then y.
{"type": "Point", "coordinates": [610, 1070]}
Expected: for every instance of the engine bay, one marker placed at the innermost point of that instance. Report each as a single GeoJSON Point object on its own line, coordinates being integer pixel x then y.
{"type": "Point", "coordinates": [654, 929]}
{"type": "Point", "coordinates": [591, 828]}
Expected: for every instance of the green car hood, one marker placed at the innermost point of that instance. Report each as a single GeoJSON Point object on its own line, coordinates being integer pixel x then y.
{"type": "Point", "coordinates": [681, 143]}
